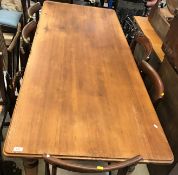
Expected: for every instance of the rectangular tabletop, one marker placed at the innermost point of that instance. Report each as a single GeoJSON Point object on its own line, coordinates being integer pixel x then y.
{"type": "Point", "coordinates": [82, 96]}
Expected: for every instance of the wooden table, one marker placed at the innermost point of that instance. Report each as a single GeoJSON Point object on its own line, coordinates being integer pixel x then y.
{"type": "Point", "coordinates": [82, 96]}
{"type": "Point", "coordinates": [149, 31]}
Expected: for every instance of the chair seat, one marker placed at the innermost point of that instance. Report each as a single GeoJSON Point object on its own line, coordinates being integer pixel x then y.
{"type": "Point", "coordinates": [9, 18]}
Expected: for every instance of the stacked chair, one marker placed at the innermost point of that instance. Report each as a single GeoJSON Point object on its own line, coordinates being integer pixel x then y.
{"type": "Point", "coordinates": [28, 33]}
{"type": "Point", "coordinates": [27, 37]}
{"type": "Point", "coordinates": [11, 69]}
{"type": "Point", "coordinates": [11, 23]}
{"type": "Point", "coordinates": [9, 83]}
{"type": "Point", "coordinates": [123, 168]}
{"type": "Point", "coordinates": [168, 108]}
{"type": "Point", "coordinates": [141, 48]}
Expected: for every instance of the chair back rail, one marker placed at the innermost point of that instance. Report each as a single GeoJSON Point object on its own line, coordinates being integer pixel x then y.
{"type": "Point", "coordinates": [156, 82]}
{"type": "Point", "coordinates": [64, 164]}
{"type": "Point", "coordinates": [3, 50]}
{"type": "Point", "coordinates": [145, 43]}
{"type": "Point", "coordinates": [28, 32]}
{"type": "Point", "coordinates": [34, 9]}
{"type": "Point", "coordinates": [27, 35]}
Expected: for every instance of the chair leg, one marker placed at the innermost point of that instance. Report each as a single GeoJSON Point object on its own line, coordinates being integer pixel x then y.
{"type": "Point", "coordinates": [54, 170]}
{"type": "Point", "coordinates": [110, 173]}
{"type": "Point", "coordinates": [123, 171]}
{"type": "Point", "coordinates": [47, 171]}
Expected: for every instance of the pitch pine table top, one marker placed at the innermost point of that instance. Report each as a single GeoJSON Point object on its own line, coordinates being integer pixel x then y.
{"type": "Point", "coordinates": [82, 96]}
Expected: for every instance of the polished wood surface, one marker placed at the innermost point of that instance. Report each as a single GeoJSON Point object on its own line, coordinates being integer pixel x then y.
{"type": "Point", "coordinates": [82, 96]}
{"type": "Point", "coordinates": [149, 31]}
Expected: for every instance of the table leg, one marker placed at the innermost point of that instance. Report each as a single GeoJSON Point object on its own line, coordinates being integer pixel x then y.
{"type": "Point", "coordinates": [30, 166]}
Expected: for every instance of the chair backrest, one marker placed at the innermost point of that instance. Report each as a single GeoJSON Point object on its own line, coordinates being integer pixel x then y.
{"type": "Point", "coordinates": [7, 66]}
{"type": "Point", "coordinates": [28, 32]}
{"type": "Point", "coordinates": [10, 53]}
{"type": "Point", "coordinates": [27, 35]}
{"type": "Point", "coordinates": [64, 164]}
{"type": "Point", "coordinates": [34, 10]}
{"type": "Point", "coordinates": [141, 48]}
{"type": "Point", "coordinates": [170, 44]}
{"type": "Point", "coordinates": [156, 89]}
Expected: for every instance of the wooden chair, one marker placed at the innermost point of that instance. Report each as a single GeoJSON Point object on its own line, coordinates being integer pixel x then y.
{"type": "Point", "coordinates": [63, 1]}
{"type": "Point", "coordinates": [7, 103]}
{"type": "Point", "coordinates": [167, 109]}
{"type": "Point", "coordinates": [6, 166]}
{"type": "Point", "coordinates": [34, 10]}
{"type": "Point", "coordinates": [155, 86]}
{"type": "Point", "coordinates": [122, 167]}
{"type": "Point", "coordinates": [7, 92]}
{"type": "Point", "coordinates": [28, 33]}
{"type": "Point", "coordinates": [141, 48]}
{"type": "Point", "coordinates": [11, 53]}
{"type": "Point", "coordinates": [8, 96]}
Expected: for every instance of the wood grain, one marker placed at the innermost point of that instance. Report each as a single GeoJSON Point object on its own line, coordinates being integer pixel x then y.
{"type": "Point", "coordinates": [82, 95]}
{"type": "Point", "coordinates": [149, 31]}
